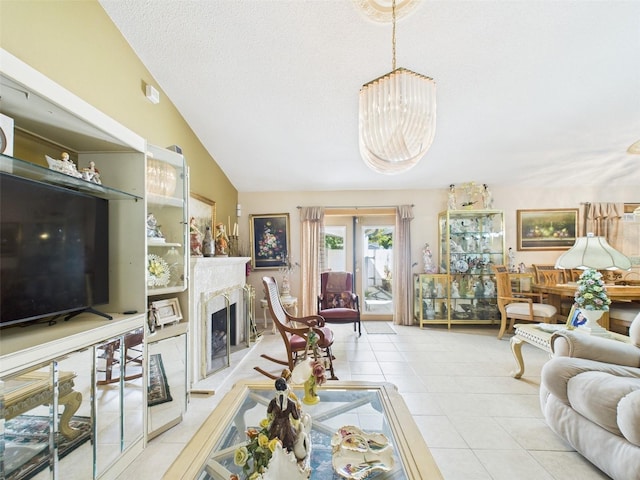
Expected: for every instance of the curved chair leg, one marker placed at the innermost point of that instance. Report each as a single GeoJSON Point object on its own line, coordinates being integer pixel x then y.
{"type": "Point", "coordinates": [503, 327]}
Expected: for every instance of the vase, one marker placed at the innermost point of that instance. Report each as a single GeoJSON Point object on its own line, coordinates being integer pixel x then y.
{"type": "Point", "coordinates": [310, 395]}
{"type": "Point", "coordinates": [592, 326]}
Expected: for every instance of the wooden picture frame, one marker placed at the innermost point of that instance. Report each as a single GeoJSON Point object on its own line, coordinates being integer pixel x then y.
{"type": "Point", "coordinates": [202, 214]}
{"type": "Point", "coordinates": [554, 229]}
{"type": "Point", "coordinates": [166, 311]}
{"type": "Point", "coordinates": [269, 240]}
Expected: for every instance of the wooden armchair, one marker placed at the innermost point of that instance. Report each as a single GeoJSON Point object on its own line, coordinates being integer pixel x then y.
{"type": "Point", "coordinates": [295, 333]}
{"type": "Point", "coordinates": [519, 305]}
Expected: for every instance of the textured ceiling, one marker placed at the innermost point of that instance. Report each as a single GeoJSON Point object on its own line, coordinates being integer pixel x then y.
{"type": "Point", "coordinates": [539, 93]}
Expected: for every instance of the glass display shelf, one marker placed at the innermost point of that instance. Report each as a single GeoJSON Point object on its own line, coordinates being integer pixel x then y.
{"type": "Point", "coordinates": [32, 171]}
{"type": "Point", "coordinates": [372, 407]}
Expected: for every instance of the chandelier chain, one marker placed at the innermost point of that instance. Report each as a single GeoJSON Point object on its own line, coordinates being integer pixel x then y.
{"type": "Point", "coordinates": [393, 35]}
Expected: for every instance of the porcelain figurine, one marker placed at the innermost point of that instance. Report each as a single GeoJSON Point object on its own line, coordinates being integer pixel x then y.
{"type": "Point", "coordinates": [282, 409]}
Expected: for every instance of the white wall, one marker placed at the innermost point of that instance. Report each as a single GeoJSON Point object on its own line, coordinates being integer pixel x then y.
{"type": "Point", "coordinates": [427, 205]}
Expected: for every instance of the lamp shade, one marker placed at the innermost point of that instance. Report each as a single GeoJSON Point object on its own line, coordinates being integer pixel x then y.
{"type": "Point", "coordinates": [593, 252]}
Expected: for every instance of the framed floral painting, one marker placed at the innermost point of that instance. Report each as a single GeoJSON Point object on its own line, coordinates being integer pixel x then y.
{"type": "Point", "coordinates": [554, 229]}
{"type": "Point", "coordinates": [269, 240]}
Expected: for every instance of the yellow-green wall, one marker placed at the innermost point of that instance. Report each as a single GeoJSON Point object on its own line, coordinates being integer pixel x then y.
{"type": "Point", "coordinates": [74, 43]}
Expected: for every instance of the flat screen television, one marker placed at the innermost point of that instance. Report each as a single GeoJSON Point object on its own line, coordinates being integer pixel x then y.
{"type": "Point", "coordinates": [54, 251]}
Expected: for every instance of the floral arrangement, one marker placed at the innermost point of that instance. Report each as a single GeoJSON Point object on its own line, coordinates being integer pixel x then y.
{"type": "Point", "coordinates": [591, 293]}
{"type": "Point", "coordinates": [269, 243]}
{"type": "Point", "coordinates": [255, 455]}
{"type": "Point", "coordinates": [316, 363]}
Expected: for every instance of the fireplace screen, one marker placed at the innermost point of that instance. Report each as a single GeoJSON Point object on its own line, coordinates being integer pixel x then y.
{"type": "Point", "coordinates": [219, 336]}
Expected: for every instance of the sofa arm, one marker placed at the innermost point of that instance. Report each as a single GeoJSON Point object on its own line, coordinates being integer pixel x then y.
{"type": "Point", "coordinates": [569, 343]}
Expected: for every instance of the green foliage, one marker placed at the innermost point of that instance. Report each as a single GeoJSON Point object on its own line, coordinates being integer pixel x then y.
{"type": "Point", "coordinates": [334, 242]}
{"type": "Point", "coordinates": [381, 237]}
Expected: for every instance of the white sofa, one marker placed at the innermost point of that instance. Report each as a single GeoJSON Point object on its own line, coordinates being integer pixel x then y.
{"type": "Point", "coordinates": [590, 396]}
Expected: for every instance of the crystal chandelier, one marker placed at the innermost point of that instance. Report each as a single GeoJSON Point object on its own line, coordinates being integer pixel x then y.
{"type": "Point", "coordinates": [397, 117]}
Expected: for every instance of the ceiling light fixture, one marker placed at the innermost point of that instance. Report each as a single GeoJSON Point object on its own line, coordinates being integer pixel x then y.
{"type": "Point", "coordinates": [634, 149]}
{"type": "Point", "coordinates": [397, 117]}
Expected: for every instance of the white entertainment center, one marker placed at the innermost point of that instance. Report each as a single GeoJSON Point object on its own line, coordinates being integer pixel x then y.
{"type": "Point", "coordinates": [90, 369]}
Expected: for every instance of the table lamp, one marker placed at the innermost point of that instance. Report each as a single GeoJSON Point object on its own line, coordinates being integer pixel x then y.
{"type": "Point", "coordinates": [592, 253]}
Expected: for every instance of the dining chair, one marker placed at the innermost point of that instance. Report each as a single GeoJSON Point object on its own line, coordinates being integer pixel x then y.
{"type": "Point", "coordinates": [295, 333]}
{"type": "Point", "coordinates": [550, 275]}
{"type": "Point", "coordinates": [519, 305]}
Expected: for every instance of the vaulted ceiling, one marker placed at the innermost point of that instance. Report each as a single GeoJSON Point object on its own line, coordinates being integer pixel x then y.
{"type": "Point", "coordinates": [539, 93]}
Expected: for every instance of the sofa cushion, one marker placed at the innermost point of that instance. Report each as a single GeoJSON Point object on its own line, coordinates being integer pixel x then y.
{"type": "Point", "coordinates": [629, 417]}
{"type": "Point", "coordinates": [595, 395]}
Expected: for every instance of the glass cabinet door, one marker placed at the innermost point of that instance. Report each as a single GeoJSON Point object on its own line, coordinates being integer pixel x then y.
{"type": "Point", "coordinates": [166, 221]}
{"type": "Point", "coordinates": [431, 303]}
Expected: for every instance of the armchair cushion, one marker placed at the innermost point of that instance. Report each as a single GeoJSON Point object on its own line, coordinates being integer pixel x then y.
{"type": "Point", "coordinates": [298, 343]}
{"type": "Point", "coordinates": [344, 300]}
{"type": "Point", "coordinates": [575, 344]}
{"type": "Point", "coordinates": [629, 417]}
{"type": "Point", "coordinates": [539, 309]}
{"type": "Point", "coordinates": [596, 396]}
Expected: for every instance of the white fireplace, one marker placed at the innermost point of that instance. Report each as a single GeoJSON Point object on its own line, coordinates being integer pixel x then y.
{"type": "Point", "coordinates": [216, 289]}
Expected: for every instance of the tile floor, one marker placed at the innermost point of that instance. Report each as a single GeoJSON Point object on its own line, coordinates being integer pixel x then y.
{"type": "Point", "coordinates": [478, 421]}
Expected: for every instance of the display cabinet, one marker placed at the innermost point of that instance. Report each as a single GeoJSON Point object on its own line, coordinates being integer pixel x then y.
{"type": "Point", "coordinates": [167, 229]}
{"type": "Point", "coordinates": [470, 242]}
{"type": "Point", "coordinates": [167, 280]}
{"type": "Point", "coordinates": [431, 298]}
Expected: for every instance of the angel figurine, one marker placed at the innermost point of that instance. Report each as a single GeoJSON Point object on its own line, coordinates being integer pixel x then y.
{"type": "Point", "coordinates": [451, 204]}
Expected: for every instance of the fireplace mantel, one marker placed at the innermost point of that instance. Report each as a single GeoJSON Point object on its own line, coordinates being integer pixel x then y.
{"type": "Point", "coordinates": [209, 275]}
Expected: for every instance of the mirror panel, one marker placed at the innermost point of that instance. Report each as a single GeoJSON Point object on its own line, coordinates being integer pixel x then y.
{"type": "Point", "coordinates": [167, 396]}
{"type": "Point", "coordinates": [75, 448]}
{"type": "Point", "coordinates": [107, 402]}
{"type": "Point", "coordinates": [133, 391]}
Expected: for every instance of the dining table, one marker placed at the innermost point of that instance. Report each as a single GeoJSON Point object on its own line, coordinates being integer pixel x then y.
{"type": "Point", "coordinates": [617, 293]}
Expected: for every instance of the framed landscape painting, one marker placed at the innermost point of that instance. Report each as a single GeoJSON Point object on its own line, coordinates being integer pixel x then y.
{"type": "Point", "coordinates": [269, 240]}
{"type": "Point", "coordinates": [554, 229]}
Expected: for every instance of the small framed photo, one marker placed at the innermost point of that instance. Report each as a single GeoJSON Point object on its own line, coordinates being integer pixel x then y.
{"type": "Point", "coordinates": [575, 319]}
{"type": "Point", "coordinates": [165, 311]}
{"type": "Point", "coordinates": [554, 229]}
{"type": "Point", "coordinates": [269, 240]}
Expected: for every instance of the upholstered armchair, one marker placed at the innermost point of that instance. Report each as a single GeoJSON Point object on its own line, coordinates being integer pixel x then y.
{"type": "Point", "coordinates": [337, 303]}
{"type": "Point", "coordinates": [590, 396]}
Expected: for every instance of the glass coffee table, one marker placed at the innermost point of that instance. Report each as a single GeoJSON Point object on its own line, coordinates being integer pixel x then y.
{"type": "Point", "coordinates": [372, 407]}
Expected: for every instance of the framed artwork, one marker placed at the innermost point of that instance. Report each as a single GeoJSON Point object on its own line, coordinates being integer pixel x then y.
{"type": "Point", "coordinates": [554, 229]}
{"type": "Point", "coordinates": [269, 240]}
{"type": "Point", "coordinates": [202, 212]}
{"type": "Point", "coordinates": [166, 311]}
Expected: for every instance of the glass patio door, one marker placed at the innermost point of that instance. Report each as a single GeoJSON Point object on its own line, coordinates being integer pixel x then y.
{"type": "Point", "coordinates": [363, 244]}
{"type": "Point", "coordinates": [374, 253]}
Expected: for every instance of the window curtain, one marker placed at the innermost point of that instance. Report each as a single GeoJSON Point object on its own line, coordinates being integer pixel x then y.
{"type": "Point", "coordinates": [604, 220]}
{"type": "Point", "coordinates": [402, 288]}
{"type": "Point", "coordinates": [311, 256]}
